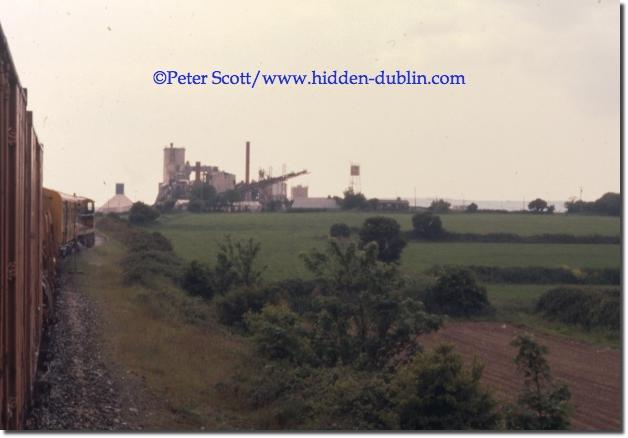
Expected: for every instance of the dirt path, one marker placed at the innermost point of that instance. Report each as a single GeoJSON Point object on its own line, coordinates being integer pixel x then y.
{"type": "Point", "coordinates": [592, 373]}
{"type": "Point", "coordinates": [78, 389]}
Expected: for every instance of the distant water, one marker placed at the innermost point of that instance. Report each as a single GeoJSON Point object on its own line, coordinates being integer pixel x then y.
{"type": "Point", "coordinates": [489, 205]}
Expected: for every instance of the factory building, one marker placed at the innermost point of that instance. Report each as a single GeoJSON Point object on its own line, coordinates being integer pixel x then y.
{"type": "Point", "coordinates": [174, 164]}
{"type": "Point", "coordinates": [314, 204]}
{"type": "Point", "coordinates": [299, 191]}
{"type": "Point", "coordinates": [177, 172]}
{"type": "Point", "coordinates": [118, 204]}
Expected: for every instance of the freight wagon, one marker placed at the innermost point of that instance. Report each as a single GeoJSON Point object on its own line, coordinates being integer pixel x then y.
{"type": "Point", "coordinates": [37, 227]}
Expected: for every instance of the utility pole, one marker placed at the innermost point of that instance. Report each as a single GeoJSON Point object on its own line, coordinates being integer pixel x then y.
{"type": "Point", "coordinates": [415, 198]}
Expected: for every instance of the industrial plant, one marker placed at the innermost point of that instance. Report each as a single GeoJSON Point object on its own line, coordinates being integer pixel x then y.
{"type": "Point", "coordinates": [180, 177]}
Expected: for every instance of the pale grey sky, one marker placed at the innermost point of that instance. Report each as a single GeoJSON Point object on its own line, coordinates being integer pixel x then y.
{"type": "Point", "coordinates": [539, 115]}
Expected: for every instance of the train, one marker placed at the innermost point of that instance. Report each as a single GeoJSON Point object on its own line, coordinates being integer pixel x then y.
{"type": "Point", "coordinates": [38, 227]}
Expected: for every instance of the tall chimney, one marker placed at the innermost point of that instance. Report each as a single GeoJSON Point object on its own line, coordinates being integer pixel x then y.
{"type": "Point", "coordinates": [248, 161]}
{"type": "Point", "coordinates": [197, 172]}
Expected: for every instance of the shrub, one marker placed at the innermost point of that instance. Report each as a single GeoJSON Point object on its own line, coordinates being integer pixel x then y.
{"type": "Point", "coordinates": [143, 266]}
{"type": "Point", "coordinates": [436, 392]}
{"type": "Point", "coordinates": [457, 293]}
{"type": "Point", "coordinates": [386, 232]}
{"type": "Point", "coordinates": [297, 293]}
{"type": "Point", "coordinates": [197, 280]}
{"type": "Point", "coordinates": [143, 241]}
{"type": "Point", "coordinates": [277, 334]}
{"type": "Point", "coordinates": [587, 308]}
{"type": "Point", "coordinates": [141, 213]}
{"type": "Point", "coordinates": [340, 230]}
{"type": "Point", "coordinates": [427, 226]}
{"type": "Point", "coordinates": [232, 306]}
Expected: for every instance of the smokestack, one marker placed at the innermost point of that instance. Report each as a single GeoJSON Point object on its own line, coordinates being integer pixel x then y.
{"type": "Point", "coordinates": [197, 171]}
{"type": "Point", "coordinates": [248, 161]}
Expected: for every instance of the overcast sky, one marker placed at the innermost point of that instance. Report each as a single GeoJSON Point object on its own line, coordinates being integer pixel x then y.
{"type": "Point", "coordinates": [539, 115]}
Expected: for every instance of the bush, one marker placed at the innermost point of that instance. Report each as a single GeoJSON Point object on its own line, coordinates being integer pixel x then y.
{"type": "Point", "coordinates": [340, 231]}
{"type": "Point", "coordinates": [297, 293]}
{"type": "Point", "coordinates": [143, 266]}
{"type": "Point", "coordinates": [587, 308]}
{"type": "Point", "coordinates": [197, 280]}
{"type": "Point", "coordinates": [143, 241]}
{"type": "Point", "coordinates": [232, 306]}
{"type": "Point", "coordinates": [427, 226]}
{"type": "Point", "coordinates": [457, 293]}
{"type": "Point", "coordinates": [277, 334]}
{"type": "Point", "coordinates": [386, 232]}
{"type": "Point", "coordinates": [141, 213]}
{"type": "Point", "coordinates": [436, 392]}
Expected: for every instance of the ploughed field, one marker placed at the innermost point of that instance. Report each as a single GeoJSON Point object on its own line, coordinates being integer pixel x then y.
{"type": "Point", "coordinates": [593, 373]}
{"type": "Point", "coordinates": [285, 235]}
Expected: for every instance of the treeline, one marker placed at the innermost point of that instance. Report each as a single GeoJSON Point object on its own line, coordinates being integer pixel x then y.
{"type": "Point", "coordinates": [427, 226]}
{"type": "Point", "coordinates": [609, 203]}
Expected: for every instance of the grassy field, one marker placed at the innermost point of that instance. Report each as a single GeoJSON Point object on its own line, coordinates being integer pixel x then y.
{"type": "Point", "coordinates": [184, 356]}
{"type": "Point", "coordinates": [150, 332]}
{"type": "Point", "coordinates": [529, 224]}
{"type": "Point", "coordinates": [285, 236]}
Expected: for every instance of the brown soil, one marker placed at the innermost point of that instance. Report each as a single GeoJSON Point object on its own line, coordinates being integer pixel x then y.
{"type": "Point", "coordinates": [593, 373]}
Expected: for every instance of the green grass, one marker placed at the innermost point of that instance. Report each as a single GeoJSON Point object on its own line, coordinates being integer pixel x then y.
{"type": "Point", "coordinates": [284, 236]}
{"type": "Point", "coordinates": [529, 224]}
{"type": "Point", "coordinates": [149, 333]}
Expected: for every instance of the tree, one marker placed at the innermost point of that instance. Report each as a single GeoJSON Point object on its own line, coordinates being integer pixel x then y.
{"type": "Point", "coordinates": [457, 293]}
{"type": "Point", "coordinates": [386, 232]}
{"type": "Point", "coordinates": [362, 320]}
{"type": "Point", "coordinates": [228, 198]}
{"type": "Point", "coordinates": [340, 230]}
{"type": "Point", "coordinates": [542, 404]}
{"type": "Point", "coordinates": [435, 392]}
{"type": "Point", "coordinates": [205, 194]}
{"type": "Point", "coordinates": [427, 226]}
{"type": "Point", "coordinates": [235, 264]}
{"type": "Point", "coordinates": [439, 206]}
{"type": "Point", "coordinates": [538, 205]}
{"type": "Point", "coordinates": [141, 213]}
{"type": "Point", "coordinates": [608, 203]}
{"type": "Point", "coordinates": [353, 201]}
{"type": "Point", "coordinates": [472, 208]}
